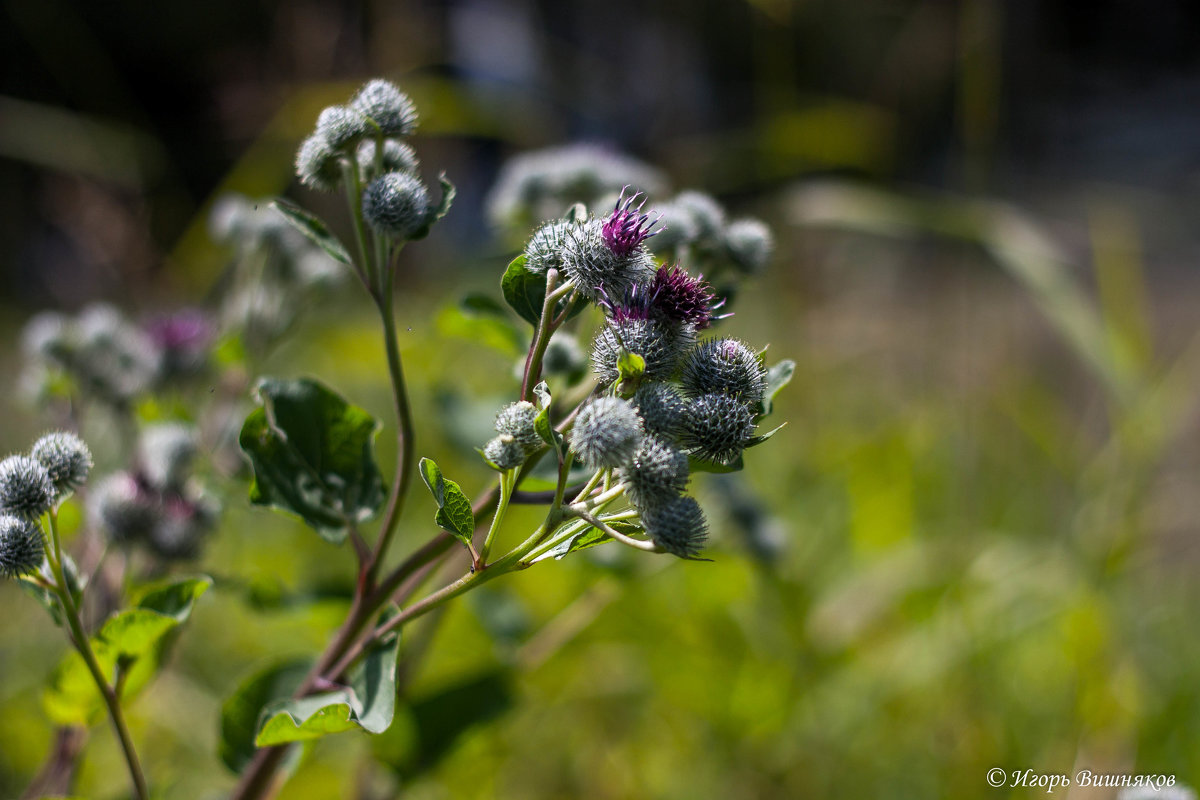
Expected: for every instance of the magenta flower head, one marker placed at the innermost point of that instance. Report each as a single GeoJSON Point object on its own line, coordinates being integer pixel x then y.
{"type": "Point", "coordinates": [678, 296]}
{"type": "Point", "coordinates": [627, 227]}
{"type": "Point", "coordinates": [673, 296]}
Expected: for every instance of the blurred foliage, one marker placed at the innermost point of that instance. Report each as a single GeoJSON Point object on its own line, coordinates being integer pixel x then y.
{"type": "Point", "coordinates": [974, 545]}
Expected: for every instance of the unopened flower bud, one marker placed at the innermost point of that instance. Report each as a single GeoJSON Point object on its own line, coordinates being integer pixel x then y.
{"type": "Point", "coordinates": [548, 245]}
{"type": "Point", "coordinates": [655, 474]}
{"type": "Point", "coordinates": [606, 433]}
{"type": "Point", "coordinates": [724, 365]}
{"type": "Point", "coordinates": [397, 157]}
{"type": "Point", "coordinates": [341, 127]}
{"type": "Point", "coordinates": [504, 451]}
{"type": "Point", "coordinates": [658, 342]}
{"type": "Point", "coordinates": [25, 487]}
{"type": "Point", "coordinates": [661, 409]}
{"type": "Point", "coordinates": [318, 165]}
{"type": "Point", "coordinates": [516, 420]}
{"type": "Point", "coordinates": [717, 427]}
{"type": "Point", "coordinates": [66, 458]}
{"type": "Point", "coordinates": [390, 109]}
{"type": "Point", "coordinates": [22, 546]}
{"type": "Point", "coordinates": [677, 526]}
{"type": "Point", "coordinates": [396, 204]}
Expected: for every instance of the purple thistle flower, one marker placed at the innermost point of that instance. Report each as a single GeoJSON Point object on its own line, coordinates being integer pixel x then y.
{"type": "Point", "coordinates": [678, 296]}
{"type": "Point", "coordinates": [673, 295]}
{"type": "Point", "coordinates": [627, 227]}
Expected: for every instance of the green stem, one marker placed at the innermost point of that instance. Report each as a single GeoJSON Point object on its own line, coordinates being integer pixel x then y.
{"type": "Point", "coordinates": [507, 479]}
{"type": "Point", "coordinates": [406, 454]}
{"type": "Point", "coordinates": [541, 339]}
{"type": "Point", "coordinates": [81, 642]}
{"type": "Point", "coordinates": [354, 197]}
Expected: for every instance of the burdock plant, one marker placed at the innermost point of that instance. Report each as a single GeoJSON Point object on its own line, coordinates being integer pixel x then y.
{"type": "Point", "coordinates": [618, 453]}
{"type": "Point", "coordinates": [665, 405]}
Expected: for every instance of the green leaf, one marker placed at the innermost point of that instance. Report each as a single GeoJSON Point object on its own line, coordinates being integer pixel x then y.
{"type": "Point", "coordinates": [630, 365]}
{"type": "Point", "coordinates": [454, 509]}
{"type": "Point", "coordinates": [588, 537]}
{"type": "Point", "coordinates": [442, 208]}
{"type": "Point", "coordinates": [133, 641]}
{"type": "Point", "coordinates": [241, 712]}
{"type": "Point", "coordinates": [312, 456]}
{"type": "Point", "coordinates": [314, 228]}
{"type": "Point", "coordinates": [479, 318]}
{"type": "Point", "coordinates": [541, 423]}
{"type": "Point", "coordinates": [778, 376]}
{"type": "Point", "coordinates": [368, 703]}
{"type": "Point", "coordinates": [525, 291]}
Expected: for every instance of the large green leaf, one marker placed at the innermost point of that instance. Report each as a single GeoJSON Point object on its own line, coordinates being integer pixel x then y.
{"type": "Point", "coordinates": [133, 641]}
{"type": "Point", "coordinates": [312, 456]}
{"type": "Point", "coordinates": [314, 228]}
{"type": "Point", "coordinates": [454, 509]}
{"type": "Point", "coordinates": [241, 712]}
{"type": "Point", "coordinates": [367, 703]}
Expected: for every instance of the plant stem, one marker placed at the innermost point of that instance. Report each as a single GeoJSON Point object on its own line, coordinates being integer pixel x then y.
{"type": "Point", "coordinates": [639, 544]}
{"type": "Point", "coordinates": [507, 479]}
{"type": "Point", "coordinates": [406, 454]}
{"type": "Point", "coordinates": [354, 197]}
{"type": "Point", "coordinates": [541, 339]}
{"type": "Point", "coordinates": [81, 642]}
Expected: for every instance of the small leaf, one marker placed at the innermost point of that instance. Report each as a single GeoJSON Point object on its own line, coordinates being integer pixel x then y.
{"type": "Point", "coordinates": [312, 227]}
{"type": "Point", "coordinates": [132, 640]}
{"type": "Point", "coordinates": [630, 365]}
{"type": "Point", "coordinates": [541, 423]}
{"type": "Point", "coordinates": [312, 456]}
{"type": "Point", "coordinates": [454, 509]}
{"type": "Point", "coordinates": [778, 376]}
{"type": "Point", "coordinates": [439, 211]}
{"type": "Point", "coordinates": [368, 702]}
